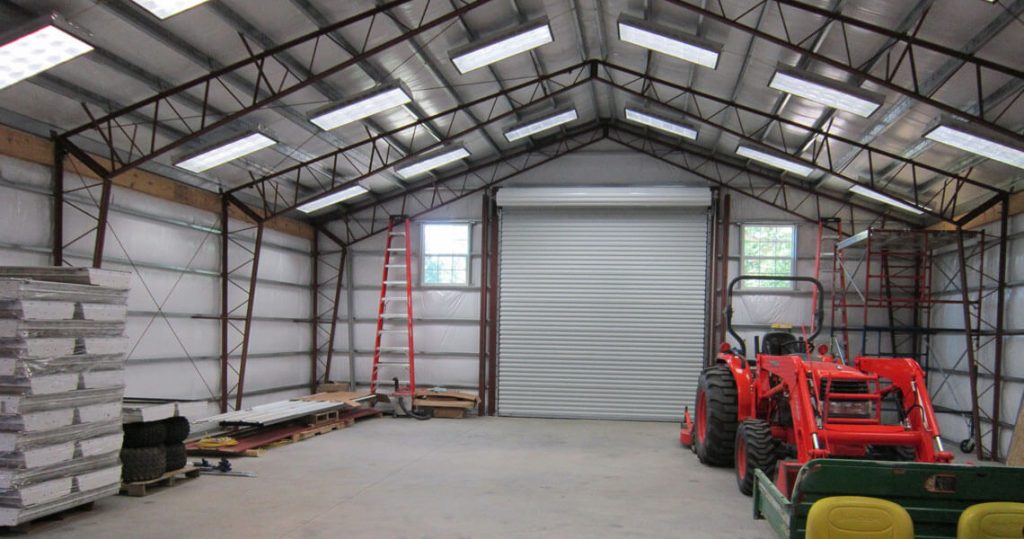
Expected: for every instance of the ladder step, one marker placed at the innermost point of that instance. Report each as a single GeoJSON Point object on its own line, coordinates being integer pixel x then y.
{"type": "Point", "coordinates": [391, 349]}
{"type": "Point", "coordinates": [397, 233]}
{"type": "Point", "coordinates": [396, 249]}
{"type": "Point", "coordinates": [393, 330]}
{"type": "Point", "coordinates": [396, 265]}
{"type": "Point", "coordinates": [390, 316]}
{"type": "Point", "coordinates": [394, 282]}
{"type": "Point", "coordinates": [393, 364]}
{"type": "Point", "coordinates": [395, 298]}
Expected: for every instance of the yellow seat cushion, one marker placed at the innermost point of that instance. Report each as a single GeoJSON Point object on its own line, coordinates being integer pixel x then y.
{"type": "Point", "coordinates": [858, 517]}
{"type": "Point", "coordinates": [993, 520]}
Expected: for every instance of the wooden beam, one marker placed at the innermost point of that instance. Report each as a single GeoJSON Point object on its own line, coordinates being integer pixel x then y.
{"type": "Point", "coordinates": [29, 147]}
{"type": "Point", "coordinates": [992, 215]}
{"type": "Point", "coordinates": [1016, 455]}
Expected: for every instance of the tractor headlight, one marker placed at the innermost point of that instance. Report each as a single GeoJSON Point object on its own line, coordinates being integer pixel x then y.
{"type": "Point", "coordinates": [851, 409]}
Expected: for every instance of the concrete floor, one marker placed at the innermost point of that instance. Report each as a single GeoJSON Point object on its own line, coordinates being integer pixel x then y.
{"type": "Point", "coordinates": [478, 477]}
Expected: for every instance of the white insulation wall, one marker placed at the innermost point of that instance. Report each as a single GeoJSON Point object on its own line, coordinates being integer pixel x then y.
{"type": "Point", "coordinates": [948, 380]}
{"type": "Point", "coordinates": [173, 252]}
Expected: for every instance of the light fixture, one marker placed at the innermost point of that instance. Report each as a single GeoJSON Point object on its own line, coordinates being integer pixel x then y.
{"type": "Point", "coordinates": [37, 46]}
{"type": "Point", "coordinates": [669, 41]}
{"type": "Point", "coordinates": [885, 199]}
{"type": "Point", "coordinates": [533, 127]}
{"type": "Point", "coordinates": [431, 161]}
{"type": "Point", "coordinates": [976, 140]}
{"type": "Point", "coordinates": [826, 91]}
{"type": "Point", "coordinates": [224, 152]}
{"type": "Point", "coordinates": [661, 123]}
{"type": "Point", "coordinates": [361, 106]}
{"type": "Point", "coordinates": [333, 198]}
{"type": "Point", "coordinates": [507, 44]}
{"type": "Point", "coordinates": [773, 160]}
{"type": "Point", "coordinates": [166, 8]}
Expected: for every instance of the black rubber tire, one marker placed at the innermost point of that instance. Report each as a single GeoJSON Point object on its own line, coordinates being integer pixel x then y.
{"type": "Point", "coordinates": [754, 439]}
{"type": "Point", "coordinates": [143, 463]}
{"type": "Point", "coordinates": [177, 430]}
{"type": "Point", "coordinates": [175, 456]}
{"type": "Point", "coordinates": [717, 387]}
{"type": "Point", "coordinates": [151, 434]}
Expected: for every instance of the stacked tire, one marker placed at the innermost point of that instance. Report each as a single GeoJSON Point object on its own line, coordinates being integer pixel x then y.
{"type": "Point", "coordinates": [153, 448]}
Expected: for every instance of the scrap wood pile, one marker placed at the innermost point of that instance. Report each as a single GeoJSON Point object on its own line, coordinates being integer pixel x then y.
{"type": "Point", "coordinates": [251, 432]}
{"type": "Point", "coordinates": [446, 403]}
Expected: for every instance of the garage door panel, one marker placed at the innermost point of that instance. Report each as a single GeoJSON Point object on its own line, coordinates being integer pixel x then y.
{"type": "Point", "coordinates": [601, 312]}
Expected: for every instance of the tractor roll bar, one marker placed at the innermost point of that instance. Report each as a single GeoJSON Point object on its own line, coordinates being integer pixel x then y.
{"type": "Point", "coordinates": [819, 311]}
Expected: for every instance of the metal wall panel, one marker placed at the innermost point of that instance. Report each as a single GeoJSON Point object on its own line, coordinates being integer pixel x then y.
{"type": "Point", "coordinates": [601, 312]}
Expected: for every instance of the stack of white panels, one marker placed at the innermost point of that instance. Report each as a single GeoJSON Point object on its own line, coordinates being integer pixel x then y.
{"type": "Point", "coordinates": [62, 348]}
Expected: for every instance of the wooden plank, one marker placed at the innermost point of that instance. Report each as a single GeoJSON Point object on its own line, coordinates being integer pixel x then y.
{"type": "Point", "coordinates": [1016, 455]}
{"type": "Point", "coordinates": [29, 147]}
{"type": "Point", "coordinates": [448, 394]}
{"type": "Point", "coordinates": [248, 443]}
{"type": "Point", "coordinates": [139, 489]}
{"type": "Point", "coordinates": [449, 413]}
{"type": "Point", "coordinates": [991, 215]}
{"type": "Point", "coordinates": [437, 403]}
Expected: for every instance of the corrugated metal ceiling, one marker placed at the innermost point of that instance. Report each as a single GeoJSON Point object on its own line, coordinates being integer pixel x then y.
{"type": "Point", "coordinates": [138, 55]}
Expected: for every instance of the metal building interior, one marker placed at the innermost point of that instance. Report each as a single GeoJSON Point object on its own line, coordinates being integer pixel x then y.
{"type": "Point", "coordinates": [607, 168]}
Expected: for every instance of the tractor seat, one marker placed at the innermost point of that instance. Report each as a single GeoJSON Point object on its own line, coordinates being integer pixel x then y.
{"type": "Point", "coordinates": [992, 520]}
{"type": "Point", "coordinates": [857, 517]}
{"type": "Point", "coordinates": [778, 343]}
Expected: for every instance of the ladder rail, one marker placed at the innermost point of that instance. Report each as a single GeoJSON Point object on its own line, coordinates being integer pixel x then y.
{"type": "Point", "coordinates": [397, 227]}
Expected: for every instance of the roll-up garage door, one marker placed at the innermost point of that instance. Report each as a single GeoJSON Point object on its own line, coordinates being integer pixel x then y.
{"type": "Point", "coordinates": [601, 309]}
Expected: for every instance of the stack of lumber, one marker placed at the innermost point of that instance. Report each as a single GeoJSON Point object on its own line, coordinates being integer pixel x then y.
{"type": "Point", "coordinates": [62, 349]}
{"type": "Point", "coordinates": [251, 432]}
{"type": "Point", "coordinates": [445, 403]}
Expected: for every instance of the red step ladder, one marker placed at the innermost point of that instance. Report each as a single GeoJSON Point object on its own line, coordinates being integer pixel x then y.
{"type": "Point", "coordinates": [393, 355]}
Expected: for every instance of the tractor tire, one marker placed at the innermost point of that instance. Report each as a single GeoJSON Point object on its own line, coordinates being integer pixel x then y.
{"type": "Point", "coordinates": [716, 422]}
{"type": "Point", "coordinates": [755, 450]}
{"type": "Point", "coordinates": [176, 457]}
{"type": "Point", "coordinates": [142, 463]}
{"type": "Point", "coordinates": [177, 430]}
{"type": "Point", "coordinates": [149, 434]}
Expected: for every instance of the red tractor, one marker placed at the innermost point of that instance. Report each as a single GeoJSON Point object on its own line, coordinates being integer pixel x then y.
{"type": "Point", "coordinates": [795, 402]}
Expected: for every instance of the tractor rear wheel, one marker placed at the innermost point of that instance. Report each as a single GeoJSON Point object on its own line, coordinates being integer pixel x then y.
{"type": "Point", "coordinates": [755, 450]}
{"type": "Point", "coordinates": [717, 406]}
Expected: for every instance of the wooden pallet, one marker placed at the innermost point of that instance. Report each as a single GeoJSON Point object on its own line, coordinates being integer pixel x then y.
{"type": "Point", "coordinates": [169, 479]}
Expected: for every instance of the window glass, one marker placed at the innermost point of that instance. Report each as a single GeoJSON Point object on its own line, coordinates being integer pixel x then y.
{"type": "Point", "coordinates": [768, 250]}
{"type": "Point", "coordinates": [446, 253]}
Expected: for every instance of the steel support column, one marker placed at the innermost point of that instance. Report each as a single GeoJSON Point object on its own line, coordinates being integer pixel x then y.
{"type": "Point", "coordinates": [57, 175]}
{"type": "Point", "coordinates": [492, 307]}
{"type": "Point", "coordinates": [723, 301]}
{"type": "Point", "coordinates": [972, 359]}
{"type": "Point", "coordinates": [314, 326]}
{"type": "Point", "coordinates": [485, 224]}
{"type": "Point", "coordinates": [1000, 329]}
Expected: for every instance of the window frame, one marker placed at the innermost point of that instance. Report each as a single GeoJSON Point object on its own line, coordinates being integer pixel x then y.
{"type": "Point", "coordinates": [423, 254]}
{"type": "Point", "coordinates": [747, 284]}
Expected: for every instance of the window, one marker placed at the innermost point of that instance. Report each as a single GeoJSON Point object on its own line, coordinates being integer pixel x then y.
{"type": "Point", "coordinates": [446, 253]}
{"type": "Point", "coordinates": [768, 250]}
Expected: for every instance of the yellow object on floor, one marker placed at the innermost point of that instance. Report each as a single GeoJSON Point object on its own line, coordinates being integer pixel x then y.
{"type": "Point", "coordinates": [858, 517]}
{"type": "Point", "coordinates": [993, 520]}
{"type": "Point", "coordinates": [214, 443]}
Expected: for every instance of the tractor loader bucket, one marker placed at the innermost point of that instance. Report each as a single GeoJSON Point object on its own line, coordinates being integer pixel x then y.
{"type": "Point", "coordinates": [933, 494]}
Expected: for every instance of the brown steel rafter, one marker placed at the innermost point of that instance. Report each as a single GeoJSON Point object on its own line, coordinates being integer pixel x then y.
{"type": "Point", "coordinates": [778, 191]}
{"type": "Point", "coordinates": [278, 196]}
{"type": "Point", "coordinates": [365, 220]}
{"type": "Point", "coordinates": [900, 74]}
{"type": "Point", "coordinates": [717, 112]}
{"type": "Point", "coordinates": [118, 129]}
